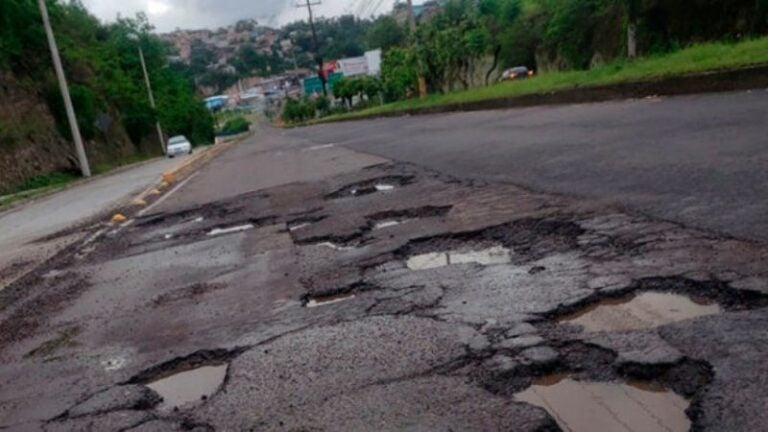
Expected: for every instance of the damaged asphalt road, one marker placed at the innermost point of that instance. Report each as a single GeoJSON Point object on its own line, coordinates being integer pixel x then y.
{"type": "Point", "coordinates": [328, 290]}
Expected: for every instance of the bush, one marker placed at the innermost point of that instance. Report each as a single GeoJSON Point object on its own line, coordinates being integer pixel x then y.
{"type": "Point", "coordinates": [235, 126]}
{"type": "Point", "coordinates": [298, 110]}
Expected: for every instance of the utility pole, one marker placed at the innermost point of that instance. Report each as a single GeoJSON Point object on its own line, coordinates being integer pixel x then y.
{"type": "Point", "coordinates": [81, 157]}
{"type": "Point", "coordinates": [320, 73]}
{"type": "Point", "coordinates": [160, 136]}
{"type": "Point", "coordinates": [412, 25]}
{"type": "Point", "coordinates": [632, 14]}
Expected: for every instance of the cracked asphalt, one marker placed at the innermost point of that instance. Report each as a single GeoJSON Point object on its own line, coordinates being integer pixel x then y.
{"type": "Point", "coordinates": [293, 264]}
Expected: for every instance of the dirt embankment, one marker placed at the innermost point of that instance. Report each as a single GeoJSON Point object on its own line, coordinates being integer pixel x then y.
{"type": "Point", "coordinates": [31, 143]}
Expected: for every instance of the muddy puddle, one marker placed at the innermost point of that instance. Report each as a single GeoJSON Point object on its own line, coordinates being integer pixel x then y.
{"type": "Point", "coordinates": [642, 311]}
{"type": "Point", "coordinates": [608, 407]}
{"type": "Point", "coordinates": [189, 386]}
{"type": "Point", "coordinates": [489, 256]}
{"type": "Point", "coordinates": [325, 301]}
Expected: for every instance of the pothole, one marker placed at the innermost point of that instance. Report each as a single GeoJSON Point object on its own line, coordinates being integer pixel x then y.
{"type": "Point", "coordinates": [230, 230]}
{"type": "Point", "coordinates": [298, 226]}
{"type": "Point", "coordinates": [389, 223]}
{"type": "Point", "coordinates": [486, 257]}
{"type": "Point", "coordinates": [641, 311]}
{"type": "Point", "coordinates": [303, 222]}
{"type": "Point", "coordinates": [367, 187]}
{"type": "Point", "coordinates": [614, 406]}
{"type": "Point", "coordinates": [335, 246]}
{"type": "Point", "coordinates": [190, 386]}
{"type": "Point", "coordinates": [328, 300]}
{"type": "Point", "coordinates": [531, 239]}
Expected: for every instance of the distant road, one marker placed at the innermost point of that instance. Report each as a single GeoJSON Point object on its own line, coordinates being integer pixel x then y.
{"type": "Point", "coordinates": [699, 160]}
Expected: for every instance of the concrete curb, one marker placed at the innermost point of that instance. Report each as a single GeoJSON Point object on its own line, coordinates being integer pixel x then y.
{"type": "Point", "coordinates": [746, 78]}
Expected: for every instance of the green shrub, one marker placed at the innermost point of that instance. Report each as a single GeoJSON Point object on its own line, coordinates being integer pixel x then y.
{"type": "Point", "coordinates": [298, 110]}
{"type": "Point", "coordinates": [235, 126]}
{"type": "Point", "coordinates": [48, 180]}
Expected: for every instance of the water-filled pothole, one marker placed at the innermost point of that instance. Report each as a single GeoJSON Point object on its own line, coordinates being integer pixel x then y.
{"type": "Point", "coordinates": [328, 300]}
{"type": "Point", "coordinates": [618, 407]}
{"type": "Point", "coordinates": [190, 386]}
{"type": "Point", "coordinates": [390, 218]}
{"type": "Point", "coordinates": [366, 187]}
{"type": "Point", "coordinates": [489, 256]}
{"type": "Point", "coordinates": [642, 311]}
{"type": "Point", "coordinates": [298, 226]}
{"type": "Point", "coordinates": [335, 246]}
{"type": "Point", "coordinates": [230, 230]}
{"type": "Point", "coordinates": [388, 223]}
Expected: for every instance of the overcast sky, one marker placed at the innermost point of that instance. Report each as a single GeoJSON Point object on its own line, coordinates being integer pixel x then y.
{"type": "Point", "coordinates": [167, 15]}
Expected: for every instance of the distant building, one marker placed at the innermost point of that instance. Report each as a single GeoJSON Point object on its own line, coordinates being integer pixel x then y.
{"type": "Point", "coordinates": [421, 12]}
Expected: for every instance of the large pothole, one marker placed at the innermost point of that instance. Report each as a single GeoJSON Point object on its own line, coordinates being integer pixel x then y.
{"type": "Point", "coordinates": [189, 387]}
{"type": "Point", "coordinates": [186, 381]}
{"type": "Point", "coordinates": [633, 406]}
{"type": "Point", "coordinates": [531, 239]}
{"type": "Point", "coordinates": [655, 302]}
{"type": "Point", "coordinates": [641, 311]}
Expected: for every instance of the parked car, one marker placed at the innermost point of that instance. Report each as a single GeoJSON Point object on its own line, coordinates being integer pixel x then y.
{"type": "Point", "coordinates": [515, 73]}
{"type": "Point", "coordinates": [178, 145]}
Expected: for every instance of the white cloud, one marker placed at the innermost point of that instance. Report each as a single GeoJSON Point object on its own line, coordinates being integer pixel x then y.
{"type": "Point", "coordinates": [167, 15]}
{"type": "Point", "coordinates": [157, 8]}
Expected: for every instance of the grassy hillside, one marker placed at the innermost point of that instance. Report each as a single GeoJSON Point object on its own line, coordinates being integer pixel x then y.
{"type": "Point", "coordinates": [697, 58]}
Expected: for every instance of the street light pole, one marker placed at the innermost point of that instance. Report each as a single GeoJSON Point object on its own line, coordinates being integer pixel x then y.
{"type": "Point", "coordinates": [160, 135]}
{"type": "Point", "coordinates": [70, 109]}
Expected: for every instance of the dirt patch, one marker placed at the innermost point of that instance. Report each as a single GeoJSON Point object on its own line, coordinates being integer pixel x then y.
{"type": "Point", "coordinates": [50, 296]}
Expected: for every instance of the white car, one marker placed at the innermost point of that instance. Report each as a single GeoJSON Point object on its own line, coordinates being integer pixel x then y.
{"type": "Point", "coordinates": [178, 145]}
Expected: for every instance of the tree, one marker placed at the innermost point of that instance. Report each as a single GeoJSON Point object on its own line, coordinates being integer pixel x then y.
{"type": "Point", "coordinates": [385, 33]}
{"type": "Point", "coordinates": [398, 73]}
{"type": "Point", "coordinates": [496, 17]}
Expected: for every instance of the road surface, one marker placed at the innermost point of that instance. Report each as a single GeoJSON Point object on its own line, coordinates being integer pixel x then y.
{"type": "Point", "coordinates": [294, 284]}
{"type": "Point", "coordinates": [699, 160]}
{"type": "Point", "coordinates": [77, 204]}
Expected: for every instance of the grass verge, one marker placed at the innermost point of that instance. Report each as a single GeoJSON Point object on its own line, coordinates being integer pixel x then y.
{"type": "Point", "coordinates": [695, 59]}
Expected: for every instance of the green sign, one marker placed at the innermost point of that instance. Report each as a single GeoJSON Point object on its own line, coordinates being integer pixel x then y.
{"type": "Point", "coordinates": [313, 85]}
